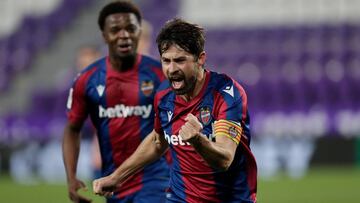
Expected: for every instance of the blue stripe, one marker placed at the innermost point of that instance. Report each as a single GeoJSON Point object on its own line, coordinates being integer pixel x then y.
{"type": "Point", "coordinates": [99, 78]}
{"type": "Point", "coordinates": [158, 169]}
{"type": "Point", "coordinates": [176, 183]}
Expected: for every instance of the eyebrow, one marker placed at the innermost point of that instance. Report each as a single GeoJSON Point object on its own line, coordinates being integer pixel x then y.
{"type": "Point", "coordinates": [176, 58]}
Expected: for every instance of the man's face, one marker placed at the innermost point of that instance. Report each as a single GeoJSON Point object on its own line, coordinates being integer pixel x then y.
{"type": "Point", "coordinates": [180, 68]}
{"type": "Point", "coordinates": [121, 33]}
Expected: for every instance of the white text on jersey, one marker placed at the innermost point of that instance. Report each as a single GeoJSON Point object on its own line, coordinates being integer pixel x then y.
{"type": "Point", "coordinates": [175, 139]}
{"type": "Point", "coordinates": [122, 111]}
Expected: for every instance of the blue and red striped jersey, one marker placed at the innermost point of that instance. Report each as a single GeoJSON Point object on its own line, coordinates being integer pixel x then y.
{"type": "Point", "coordinates": [191, 178]}
{"type": "Point", "coordinates": [120, 105]}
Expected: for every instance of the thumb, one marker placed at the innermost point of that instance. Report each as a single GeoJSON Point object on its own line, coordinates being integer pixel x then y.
{"type": "Point", "coordinates": [83, 186]}
{"type": "Point", "coordinates": [190, 116]}
{"type": "Point", "coordinates": [96, 186]}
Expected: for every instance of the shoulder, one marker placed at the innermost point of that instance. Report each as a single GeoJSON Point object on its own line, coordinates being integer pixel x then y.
{"type": "Point", "coordinates": [92, 69]}
{"type": "Point", "coordinates": [163, 90]}
{"type": "Point", "coordinates": [225, 85]}
{"type": "Point", "coordinates": [220, 80]}
{"type": "Point", "coordinates": [152, 67]}
{"type": "Point", "coordinates": [149, 61]}
{"type": "Point", "coordinates": [97, 65]}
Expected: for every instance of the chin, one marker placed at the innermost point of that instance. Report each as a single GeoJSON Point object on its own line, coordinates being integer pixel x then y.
{"type": "Point", "coordinates": [181, 91]}
{"type": "Point", "coordinates": [126, 56]}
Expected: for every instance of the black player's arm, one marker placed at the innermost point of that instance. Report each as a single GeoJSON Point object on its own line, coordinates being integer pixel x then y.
{"type": "Point", "coordinates": [150, 149]}
{"type": "Point", "coordinates": [218, 154]}
{"type": "Point", "coordinates": [71, 148]}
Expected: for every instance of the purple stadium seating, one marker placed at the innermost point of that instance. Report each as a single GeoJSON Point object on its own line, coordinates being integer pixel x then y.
{"type": "Point", "coordinates": [307, 74]}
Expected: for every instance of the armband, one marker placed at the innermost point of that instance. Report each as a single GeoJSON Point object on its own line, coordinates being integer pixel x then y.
{"type": "Point", "coordinates": [229, 129]}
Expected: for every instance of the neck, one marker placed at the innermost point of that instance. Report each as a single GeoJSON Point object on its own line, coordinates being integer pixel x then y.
{"type": "Point", "coordinates": [122, 63]}
{"type": "Point", "coordinates": [198, 86]}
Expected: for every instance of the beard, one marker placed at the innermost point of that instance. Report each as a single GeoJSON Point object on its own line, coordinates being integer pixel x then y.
{"type": "Point", "coordinates": [188, 83]}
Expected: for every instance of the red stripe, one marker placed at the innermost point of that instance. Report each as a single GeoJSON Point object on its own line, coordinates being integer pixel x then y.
{"type": "Point", "coordinates": [159, 73]}
{"type": "Point", "coordinates": [197, 175]}
{"type": "Point", "coordinates": [220, 105]}
{"type": "Point", "coordinates": [124, 133]}
{"type": "Point", "coordinates": [78, 112]}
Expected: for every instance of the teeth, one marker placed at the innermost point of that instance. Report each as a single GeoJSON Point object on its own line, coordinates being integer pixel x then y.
{"type": "Point", "coordinates": [177, 84]}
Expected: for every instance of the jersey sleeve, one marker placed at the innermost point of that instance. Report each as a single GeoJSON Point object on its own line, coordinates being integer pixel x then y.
{"type": "Point", "coordinates": [232, 111]}
{"type": "Point", "coordinates": [232, 102]}
{"type": "Point", "coordinates": [76, 104]}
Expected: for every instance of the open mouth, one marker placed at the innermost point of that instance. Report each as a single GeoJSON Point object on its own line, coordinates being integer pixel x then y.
{"type": "Point", "coordinates": [177, 82]}
{"type": "Point", "coordinates": [124, 47]}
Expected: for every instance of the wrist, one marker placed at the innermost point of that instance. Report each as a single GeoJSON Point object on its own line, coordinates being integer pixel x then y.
{"type": "Point", "coordinates": [196, 140]}
{"type": "Point", "coordinates": [71, 178]}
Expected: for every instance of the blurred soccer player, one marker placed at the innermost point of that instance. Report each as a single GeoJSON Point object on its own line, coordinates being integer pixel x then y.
{"type": "Point", "coordinates": [117, 92]}
{"type": "Point", "coordinates": [202, 116]}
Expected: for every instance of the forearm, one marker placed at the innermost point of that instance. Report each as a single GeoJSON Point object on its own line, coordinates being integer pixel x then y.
{"type": "Point", "coordinates": [147, 152]}
{"type": "Point", "coordinates": [71, 149]}
{"type": "Point", "coordinates": [216, 155]}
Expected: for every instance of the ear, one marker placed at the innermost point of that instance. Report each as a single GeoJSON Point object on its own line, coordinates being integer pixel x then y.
{"type": "Point", "coordinates": [202, 59]}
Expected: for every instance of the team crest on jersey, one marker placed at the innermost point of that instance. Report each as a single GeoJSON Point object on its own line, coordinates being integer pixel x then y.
{"type": "Point", "coordinates": [232, 132]}
{"type": "Point", "coordinates": [147, 87]}
{"type": "Point", "coordinates": [205, 115]}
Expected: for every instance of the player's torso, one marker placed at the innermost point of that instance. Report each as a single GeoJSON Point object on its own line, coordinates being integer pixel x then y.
{"type": "Point", "coordinates": [121, 108]}
{"type": "Point", "coordinates": [192, 179]}
{"type": "Point", "coordinates": [189, 169]}
{"type": "Point", "coordinates": [172, 118]}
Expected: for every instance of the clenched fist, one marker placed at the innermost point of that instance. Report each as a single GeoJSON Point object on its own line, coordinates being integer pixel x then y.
{"type": "Point", "coordinates": [191, 129]}
{"type": "Point", "coordinates": [104, 186]}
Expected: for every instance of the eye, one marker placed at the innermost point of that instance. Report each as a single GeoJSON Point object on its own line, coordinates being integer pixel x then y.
{"type": "Point", "coordinates": [180, 60]}
{"type": "Point", "coordinates": [114, 30]}
{"type": "Point", "coordinates": [132, 28]}
{"type": "Point", "coordinates": [165, 61]}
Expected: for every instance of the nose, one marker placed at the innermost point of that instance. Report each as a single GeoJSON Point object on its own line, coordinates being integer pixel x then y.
{"type": "Point", "coordinates": [172, 68]}
{"type": "Point", "coordinates": [123, 33]}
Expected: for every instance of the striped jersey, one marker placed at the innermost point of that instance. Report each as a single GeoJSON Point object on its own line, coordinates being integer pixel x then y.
{"type": "Point", "coordinates": [120, 105]}
{"type": "Point", "coordinates": [191, 178]}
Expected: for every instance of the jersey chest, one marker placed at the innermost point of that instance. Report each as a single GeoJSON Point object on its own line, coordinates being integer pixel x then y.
{"type": "Point", "coordinates": [173, 118]}
{"type": "Point", "coordinates": [132, 89]}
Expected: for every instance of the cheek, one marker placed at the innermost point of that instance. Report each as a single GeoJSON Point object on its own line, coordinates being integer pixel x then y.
{"type": "Point", "coordinates": [188, 71]}
{"type": "Point", "coordinates": [165, 71]}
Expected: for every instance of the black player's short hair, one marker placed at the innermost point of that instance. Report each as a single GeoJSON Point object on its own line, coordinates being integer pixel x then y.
{"type": "Point", "coordinates": [190, 37]}
{"type": "Point", "coordinates": [118, 7]}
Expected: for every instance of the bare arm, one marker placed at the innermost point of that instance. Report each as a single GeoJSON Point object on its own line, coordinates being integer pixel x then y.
{"type": "Point", "coordinates": [71, 149]}
{"type": "Point", "coordinates": [150, 149]}
{"type": "Point", "coordinates": [218, 155]}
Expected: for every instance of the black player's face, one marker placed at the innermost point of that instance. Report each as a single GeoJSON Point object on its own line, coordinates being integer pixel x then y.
{"type": "Point", "coordinates": [121, 33]}
{"type": "Point", "coordinates": [181, 69]}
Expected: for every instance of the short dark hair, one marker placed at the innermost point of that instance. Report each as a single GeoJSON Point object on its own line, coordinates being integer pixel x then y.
{"type": "Point", "coordinates": [118, 7]}
{"type": "Point", "coordinates": [189, 37]}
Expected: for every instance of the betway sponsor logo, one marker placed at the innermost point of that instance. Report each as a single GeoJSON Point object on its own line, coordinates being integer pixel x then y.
{"type": "Point", "coordinates": [175, 139]}
{"type": "Point", "coordinates": [122, 111]}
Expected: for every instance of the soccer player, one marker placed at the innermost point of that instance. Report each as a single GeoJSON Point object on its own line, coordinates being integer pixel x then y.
{"type": "Point", "coordinates": [117, 92]}
{"type": "Point", "coordinates": [202, 117]}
